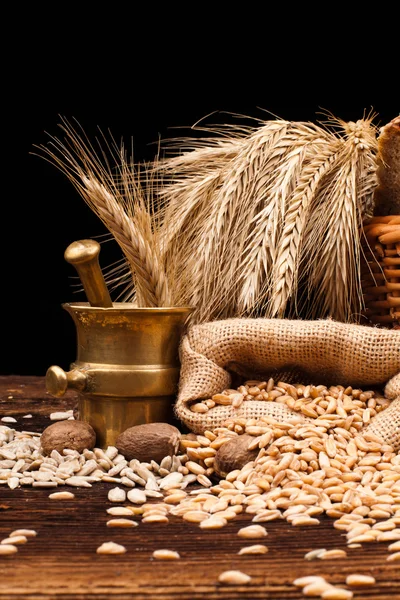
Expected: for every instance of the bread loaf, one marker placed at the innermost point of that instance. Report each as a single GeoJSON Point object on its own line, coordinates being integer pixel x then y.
{"type": "Point", "coordinates": [387, 193]}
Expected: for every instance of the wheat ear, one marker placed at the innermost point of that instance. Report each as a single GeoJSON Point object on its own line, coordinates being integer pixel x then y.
{"type": "Point", "coordinates": [134, 236]}
{"type": "Point", "coordinates": [263, 231]}
{"type": "Point", "coordinates": [286, 267]}
{"type": "Point", "coordinates": [186, 193]}
{"type": "Point", "coordinates": [99, 186]}
{"type": "Point", "coordinates": [241, 190]}
{"type": "Point", "coordinates": [332, 251]}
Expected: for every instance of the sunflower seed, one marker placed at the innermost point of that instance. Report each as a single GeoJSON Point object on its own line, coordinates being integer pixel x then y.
{"type": "Point", "coordinates": [137, 496]}
{"type": "Point", "coordinates": [117, 495]}
{"type": "Point", "coordinates": [61, 416]}
{"type": "Point", "coordinates": [313, 554]}
{"type": "Point", "coordinates": [78, 482]}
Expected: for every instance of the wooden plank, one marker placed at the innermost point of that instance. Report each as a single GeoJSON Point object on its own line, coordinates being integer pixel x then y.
{"type": "Point", "coordinates": [61, 562]}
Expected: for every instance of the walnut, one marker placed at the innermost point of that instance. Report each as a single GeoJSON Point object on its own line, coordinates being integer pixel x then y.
{"type": "Point", "coordinates": [74, 435]}
{"type": "Point", "coordinates": [150, 441]}
{"type": "Point", "coordinates": [234, 454]}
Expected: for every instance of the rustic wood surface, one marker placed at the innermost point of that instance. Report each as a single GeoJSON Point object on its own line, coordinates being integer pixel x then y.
{"type": "Point", "coordinates": [61, 562]}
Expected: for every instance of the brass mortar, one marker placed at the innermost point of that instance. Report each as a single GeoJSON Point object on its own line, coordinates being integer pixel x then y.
{"type": "Point", "coordinates": [127, 366]}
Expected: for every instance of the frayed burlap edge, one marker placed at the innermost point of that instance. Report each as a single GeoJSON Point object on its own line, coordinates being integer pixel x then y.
{"type": "Point", "coordinates": [386, 424]}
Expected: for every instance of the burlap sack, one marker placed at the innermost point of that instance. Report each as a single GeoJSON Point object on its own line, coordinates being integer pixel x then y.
{"type": "Point", "coordinates": [213, 355]}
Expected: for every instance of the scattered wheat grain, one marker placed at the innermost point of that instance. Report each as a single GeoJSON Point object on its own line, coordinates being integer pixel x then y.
{"type": "Point", "coordinates": [234, 577]}
{"type": "Point", "coordinates": [111, 548]}
{"type": "Point", "coordinates": [166, 554]}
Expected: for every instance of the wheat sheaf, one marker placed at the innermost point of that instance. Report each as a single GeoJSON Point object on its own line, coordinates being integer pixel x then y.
{"type": "Point", "coordinates": [259, 220]}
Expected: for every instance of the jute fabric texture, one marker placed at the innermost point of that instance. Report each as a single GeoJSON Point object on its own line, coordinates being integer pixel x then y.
{"type": "Point", "coordinates": [215, 355]}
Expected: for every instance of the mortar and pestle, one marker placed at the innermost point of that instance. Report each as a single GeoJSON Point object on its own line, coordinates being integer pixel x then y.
{"type": "Point", "coordinates": [127, 365]}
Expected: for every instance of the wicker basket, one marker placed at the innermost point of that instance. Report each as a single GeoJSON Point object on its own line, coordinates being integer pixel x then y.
{"type": "Point", "coordinates": [381, 271]}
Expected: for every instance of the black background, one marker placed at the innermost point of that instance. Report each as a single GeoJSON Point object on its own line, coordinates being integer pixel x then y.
{"type": "Point", "coordinates": [141, 75]}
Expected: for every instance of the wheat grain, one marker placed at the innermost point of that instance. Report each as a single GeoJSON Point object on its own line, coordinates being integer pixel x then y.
{"type": "Point", "coordinates": [336, 593]}
{"type": "Point", "coordinates": [334, 553]}
{"type": "Point", "coordinates": [62, 496]}
{"type": "Point", "coordinates": [307, 579]}
{"type": "Point", "coordinates": [123, 523]}
{"type": "Point", "coordinates": [357, 580]}
{"type": "Point", "coordinates": [7, 549]}
{"type": "Point", "coordinates": [155, 518]}
{"type": "Point", "coordinates": [395, 547]}
{"type": "Point", "coordinates": [15, 540]}
{"type": "Point", "coordinates": [316, 588]}
{"type": "Point", "coordinates": [119, 511]}
{"type": "Point", "coordinates": [111, 548]}
{"type": "Point", "coordinates": [255, 549]}
{"type": "Point", "coordinates": [252, 531]}
{"type": "Point", "coordinates": [28, 533]}
{"type": "Point", "coordinates": [166, 554]}
{"type": "Point", "coordinates": [234, 577]}
{"type": "Point", "coordinates": [313, 554]}
{"type": "Point", "coordinates": [213, 522]}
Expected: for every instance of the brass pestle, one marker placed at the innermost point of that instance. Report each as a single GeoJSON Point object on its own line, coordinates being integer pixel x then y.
{"type": "Point", "coordinates": [84, 256]}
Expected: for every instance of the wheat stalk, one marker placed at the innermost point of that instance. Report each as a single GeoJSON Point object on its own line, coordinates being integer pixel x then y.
{"type": "Point", "coordinates": [124, 212]}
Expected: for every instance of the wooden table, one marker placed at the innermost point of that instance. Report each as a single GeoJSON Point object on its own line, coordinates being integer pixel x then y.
{"type": "Point", "coordinates": [61, 562]}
